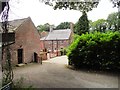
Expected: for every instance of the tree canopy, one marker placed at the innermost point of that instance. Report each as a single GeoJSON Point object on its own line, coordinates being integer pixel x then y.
{"type": "Point", "coordinates": [116, 3]}
{"type": "Point", "coordinates": [99, 25]}
{"type": "Point", "coordinates": [82, 26]}
{"type": "Point", "coordinates": [86, 6]}
{"type": "Point", "coordinates": [44, 27]}
{"type": "Point", "coordinates": [113, 21]}
{"type": "Point", "coordinates": [63, 25]}
{"type": "Point", "coordinates": [82, 5]}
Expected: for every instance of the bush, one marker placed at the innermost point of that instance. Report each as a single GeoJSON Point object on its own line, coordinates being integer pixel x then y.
{"type": "Point", "coordinates": [75, 37]}
{"type": "Point", "coordinates": [63, 51]}
{"type": "Point", "coordinates": [96, 51]}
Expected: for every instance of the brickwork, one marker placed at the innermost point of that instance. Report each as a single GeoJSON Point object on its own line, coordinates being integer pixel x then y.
{"type": "Point", "coordinates": [28, 39]}
{"type": "Point", "coordinates": [57, 44]}
{"type": "Point", "coordinates": [61, 44]}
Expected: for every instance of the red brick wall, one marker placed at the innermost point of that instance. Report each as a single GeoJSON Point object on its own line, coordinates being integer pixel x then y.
{"type": "Point", "coordinates": [61, 44]}
{"type": "Point", "coordinates": [27, 38]}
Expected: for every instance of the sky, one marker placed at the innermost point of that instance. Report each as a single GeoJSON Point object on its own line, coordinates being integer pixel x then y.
{"type": "Point", "coordinates": [41, 13]}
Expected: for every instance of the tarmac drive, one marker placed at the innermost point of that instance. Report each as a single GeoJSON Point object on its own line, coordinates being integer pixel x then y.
{"type": "Point", "coordinates": [53, 73]}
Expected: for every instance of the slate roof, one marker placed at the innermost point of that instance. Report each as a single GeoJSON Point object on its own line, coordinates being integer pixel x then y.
{"type": "Point", "coordinates": [62, 34]}
{"type": "Point", "coordinates": [14, 24]}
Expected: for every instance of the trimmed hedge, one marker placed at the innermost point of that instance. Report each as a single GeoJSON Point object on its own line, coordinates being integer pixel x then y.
{"type": "Point", "coordinates": [96, 51]}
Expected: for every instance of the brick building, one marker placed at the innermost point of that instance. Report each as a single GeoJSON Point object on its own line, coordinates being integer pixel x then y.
{"type": "Point", "coordinates": [27, 43]}
{"type": "Point", "coordinates": [57, 39]}
{"type": "Point", "coordinates": [42, 35]}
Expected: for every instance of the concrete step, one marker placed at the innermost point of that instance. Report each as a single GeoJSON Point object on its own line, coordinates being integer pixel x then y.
{"type": "Point", "coordinates": [19, 65]}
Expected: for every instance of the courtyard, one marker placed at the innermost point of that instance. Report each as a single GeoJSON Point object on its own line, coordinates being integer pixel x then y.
{"type": "Point", "coordinates": [54, 73]}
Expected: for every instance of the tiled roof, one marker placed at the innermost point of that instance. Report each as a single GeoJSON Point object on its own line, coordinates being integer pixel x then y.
{"type": "Point", "coordinates": [62, 34]}
{"type": "Point", "coordinates": [14, 24]}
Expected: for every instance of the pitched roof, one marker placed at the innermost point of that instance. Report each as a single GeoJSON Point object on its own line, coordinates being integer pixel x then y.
{"type": "Point", "coordinates": [14, 24]}
{"type": "Point", "coordinates": [62, 34]}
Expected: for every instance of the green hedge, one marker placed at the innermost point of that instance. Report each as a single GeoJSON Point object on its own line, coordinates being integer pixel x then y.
{"type": "Point", "coordinates": [96, 51]}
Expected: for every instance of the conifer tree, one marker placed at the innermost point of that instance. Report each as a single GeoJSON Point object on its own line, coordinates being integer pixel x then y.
{"type": "Point", "coordinates": [82, 26]}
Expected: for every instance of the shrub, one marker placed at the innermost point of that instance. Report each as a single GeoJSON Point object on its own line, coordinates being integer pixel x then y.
{"type": "Point", "coordinates": [63, 51]}
{"type": "Point", "coordinates": [75, 37]}
{"type": "Point", "coordinates": [96, 51]}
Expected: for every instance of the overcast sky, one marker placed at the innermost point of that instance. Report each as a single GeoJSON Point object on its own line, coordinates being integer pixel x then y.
{"type": "Point", "coordinates": [41, 13]}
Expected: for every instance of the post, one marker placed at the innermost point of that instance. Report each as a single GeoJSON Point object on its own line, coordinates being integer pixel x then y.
{"type": "Point", "coordinates": [52, 46]}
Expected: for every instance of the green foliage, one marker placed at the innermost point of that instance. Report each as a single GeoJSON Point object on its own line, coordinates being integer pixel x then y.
{"type": "Point", "coordinates": [82, 5]}
{"type": "Point", "coordinates": [114, 21]}
{"type": "Point", "coordinates": [63, 51]}
{"type": "Point", "coordinates": [44, 27]}
{"type": "Point", "coordinates": [63, 25]}
{"type": "Point", "coordinates": [82, 26]}
{"type": "Point", "coordinates": [75, 37]}
{"type": "Point", "coordinates": [96, 51]}
{"type": "Point", "coordinates": [116, 3]}
{"type": "Point", "coordinates": [99, 25]}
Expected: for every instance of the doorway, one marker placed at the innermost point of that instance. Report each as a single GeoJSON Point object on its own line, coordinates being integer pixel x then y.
{"type": "Point", "coordinates": [20, 56]}
{"type": "Point", "coordinates": [35, 57]}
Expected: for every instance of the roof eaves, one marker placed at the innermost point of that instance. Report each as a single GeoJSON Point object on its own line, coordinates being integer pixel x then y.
{"type": "Point", "coordinates": [26, 19]}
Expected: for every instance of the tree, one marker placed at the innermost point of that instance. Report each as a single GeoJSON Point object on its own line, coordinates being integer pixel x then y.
{"type": "Point", "coordinates": [116, 3]}
{"type": "Point", "coordinates": [112, 19]}
{"type": "Point", "coordinates": [44, 27]}
{"type": "Point", "coordinates": [63, 25]}
{"type": "Point", "coordinates": [99, 25]}
{"type": "Point", "coordinates": [82, 26]}
{"type": "Point", "coordinates": [82, 5]}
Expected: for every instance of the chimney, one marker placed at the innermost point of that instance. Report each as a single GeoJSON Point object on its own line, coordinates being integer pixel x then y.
{"type": "Point", "coordinates": [51, 28]}
{"type": "Point", "coordinates": [71, 26]}
{"type": "Point", "coordinates": [72, 32]}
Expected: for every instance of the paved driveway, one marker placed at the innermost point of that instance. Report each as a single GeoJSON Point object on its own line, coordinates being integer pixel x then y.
{"type": "Point", "coordinates": [54, 74]}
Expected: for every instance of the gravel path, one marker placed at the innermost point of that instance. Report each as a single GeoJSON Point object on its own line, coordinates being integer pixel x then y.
{"type": "Point", "coordinates": [53, 73]}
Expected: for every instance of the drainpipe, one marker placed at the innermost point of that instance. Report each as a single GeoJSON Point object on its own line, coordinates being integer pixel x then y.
{"type": "Point", "coordinates": [57, 46]}
{"type": "Point", "coordinates": [52, 46]}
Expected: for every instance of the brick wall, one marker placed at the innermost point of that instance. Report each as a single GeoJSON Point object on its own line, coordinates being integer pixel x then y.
{"type": "Point", "coordinates": [61, 44]}
{"type": "Point", "coordinates": [28, 39]}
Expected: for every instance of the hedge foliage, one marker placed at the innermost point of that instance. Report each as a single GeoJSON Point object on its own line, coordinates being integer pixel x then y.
{"type": "Point", "coordinates": [96, 51]}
